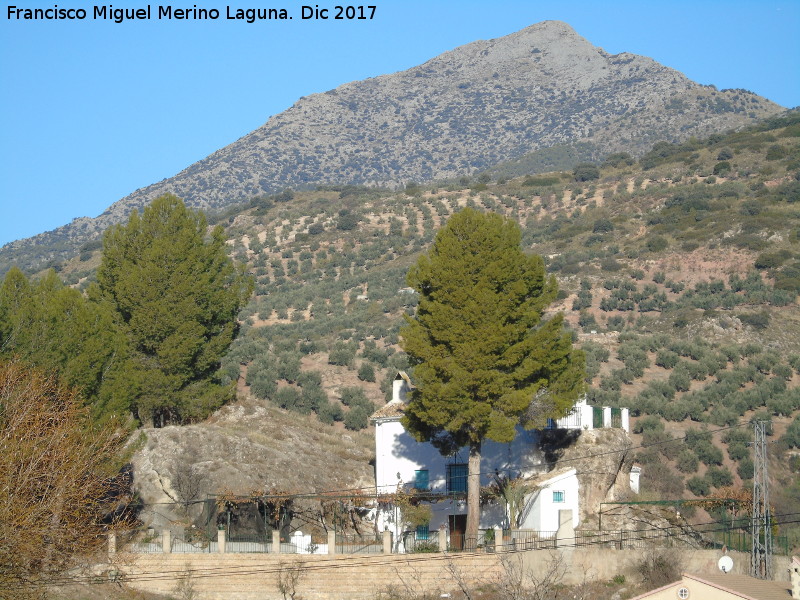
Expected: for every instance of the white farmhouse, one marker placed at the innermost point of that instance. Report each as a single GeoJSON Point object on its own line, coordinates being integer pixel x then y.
{"type": "Point", "coordinates": [402, 463]}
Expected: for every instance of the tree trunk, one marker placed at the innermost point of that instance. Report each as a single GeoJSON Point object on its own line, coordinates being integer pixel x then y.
{"type": "Point", "coordinates": [473, 496]}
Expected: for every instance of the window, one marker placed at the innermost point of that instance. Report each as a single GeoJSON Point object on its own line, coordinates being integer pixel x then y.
{"type": "Point", "coordinates": [683, 593]}
{"type": "Point", "coordinates": [421, 479]}
{"type": "Point", "coordinates": [422, 532]}
{"type": "Point", "coordinates": [457, 478]}
{"type": "Point", "coordinates": [558, 496]}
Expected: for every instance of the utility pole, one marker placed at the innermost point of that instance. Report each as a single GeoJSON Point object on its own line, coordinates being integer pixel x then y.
{"type": "Point", "coordinates": [761, 557]}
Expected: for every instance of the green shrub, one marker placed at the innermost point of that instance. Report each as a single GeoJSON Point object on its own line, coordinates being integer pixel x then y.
{"type": "Point", "coordinates": [719, 476]}
{"type": "Point", "coordinates": [648, 423]}
{"type": "Point", "coordinates": [699, 486]}
{"type": "Point", "coordinates": [602, 226]}
{"type": "Point", "coordinates": [353, 396]}
{"type": "Point", "coordinates": [758, 321]}
{"type": "Point", "coordinates": [687, 461]}
{"type": "Point", "coordinates": [366, 372]}
{"type": "Point", "coordinates": [610, 264]}
{"type": "Point", "coordinates": [722, 168]}
{"type": "Point", "coordinates": [708, 453]}
{"type": "Point", "coordinates": [357, 418]}
{"type": "Point", "coordinates": [667, 359]}
{"type": "Point", "coordinates": [287, 397]}
{"type": "Point", "coordinates": [745, 469]}
{"type": "Point", "coordinates": [586, 172]}
{"type": "Point", "coordinates": [776, 152]}
{"type": "Point", "coordinates": [791, 439]}
{"type": "Point", "coordinates": [738, 451]}
{"type": "Point", "coordinates": [657, 244]}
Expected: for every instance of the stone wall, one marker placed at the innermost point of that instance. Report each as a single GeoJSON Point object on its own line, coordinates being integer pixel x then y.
{"type": "Point", "coordinates": [361, 577]}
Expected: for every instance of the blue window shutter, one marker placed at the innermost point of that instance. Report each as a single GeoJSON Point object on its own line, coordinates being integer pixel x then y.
{"type": "Point", "coordinates": [421, 479]}
{"type": "Point", "coordinates": [457, 477]}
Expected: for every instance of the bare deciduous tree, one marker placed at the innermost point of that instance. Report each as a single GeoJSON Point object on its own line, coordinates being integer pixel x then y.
{"type": "Point", "coordinates": [517, 582]}
{"type": "Point", "coordinates": [289, 575]}
{"type": "Point", "coordinates": [56, 480]}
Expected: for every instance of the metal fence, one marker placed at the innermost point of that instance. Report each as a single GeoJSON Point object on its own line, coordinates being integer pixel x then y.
{"type": "Point", "coordinates": [142, 542]}
{"type": "Point", "coordinates": [416, 544]}
{"type": "Point", "coordinates": [359, 544]}
{"type": "Point", "coordinates": [528, 539]}
{"type": "Point", "coordinates": [249, 543]}
{"type": "Point", "coordinates": [742, 540]}
{"type": "Point", "coordinates": [622, 539]}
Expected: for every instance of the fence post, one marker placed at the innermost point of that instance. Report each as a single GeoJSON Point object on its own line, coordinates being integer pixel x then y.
{"type": "Point", "coordinates": [166, 541]}
{"type": "Point", "coordinates": [221, 541]}
{"type": "Point", "coordinates": [276, 541]}
{"type": "Point", "coordinates": [626, 419]}
{"type": "Point", "coordinates": [607, 417]}
{"type": "Point", "coordinates": [112, 542]}
{"type": "Point", "coordinates": [498, 539]}
{"type": "Point", "coordinates": [442, 538]}
{"type": "Point", "coordinates": [331, 542]}
{"type": "Point", "coordinates": [387, 541]}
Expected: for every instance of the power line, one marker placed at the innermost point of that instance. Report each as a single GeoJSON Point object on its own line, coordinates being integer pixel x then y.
{"type": "Point", "coordinates": [567, 542]}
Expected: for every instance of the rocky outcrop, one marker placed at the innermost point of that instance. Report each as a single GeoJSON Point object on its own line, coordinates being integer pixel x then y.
{"type": "Point", "coordinates": [602, 458]}
{"type": "Point", "coordinates": [249, 447]}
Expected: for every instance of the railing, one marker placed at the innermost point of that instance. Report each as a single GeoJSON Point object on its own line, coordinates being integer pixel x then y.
{"type": "Point", "coordinates": [622, 539]}
{"type": "Point", "coordinates": [249, 543]}
{"type": "Point", "coordinates": [528, 539]}
{"type": "Point", "coordinates": [145, 542]}
{"type": "Point", "coordinates": [418, 545]}
{"type": "Point", "coordinates": [192, 541]}
{"type": "Point", "coordinates": [742, 540]}
{"type": "Point", "coordinates": [359, 544]}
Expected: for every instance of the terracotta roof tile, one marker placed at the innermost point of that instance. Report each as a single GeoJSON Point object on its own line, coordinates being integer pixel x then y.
{"type": "Point", "coordinates": [395, 408]}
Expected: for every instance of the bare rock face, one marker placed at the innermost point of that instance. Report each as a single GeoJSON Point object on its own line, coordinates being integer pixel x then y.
{"type": "Point", "coordinates": [602, 458]}
{"type": "Point", "coordinates": [246, 448]}
{"type": "Point", "coordinates": [459, 113]}
{"type": "Point", "coordinates": [462, 112]}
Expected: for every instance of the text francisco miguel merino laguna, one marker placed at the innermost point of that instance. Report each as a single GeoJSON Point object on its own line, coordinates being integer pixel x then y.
{"type": "Point", "coordinates": [168, 12]}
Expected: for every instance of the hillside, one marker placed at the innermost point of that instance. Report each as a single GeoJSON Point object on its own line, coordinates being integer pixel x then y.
{"type": "Point", "coordinates": [543, 97]}
{"type": "Point", "coordinates": [680, 284]}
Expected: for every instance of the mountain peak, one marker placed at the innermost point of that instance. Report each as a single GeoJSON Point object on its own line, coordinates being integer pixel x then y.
{"type": "Point", "coordinates": [459, 113]}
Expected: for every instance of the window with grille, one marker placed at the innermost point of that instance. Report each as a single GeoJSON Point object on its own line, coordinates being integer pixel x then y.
{"type": "Point", "coordinates": [558, 496]}
{"type": "Point", "coordinates": [422, 532]}
{"type": "Point", "coordinates": [457, 478]}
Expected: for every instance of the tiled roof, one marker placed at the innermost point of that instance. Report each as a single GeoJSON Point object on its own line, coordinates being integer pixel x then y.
{"type": "Point", "coordinates": [395, 408]}
{"type": "Point", "coordinates": [745, 586]}
{"type": "Point", "coordinates": [738, 586]}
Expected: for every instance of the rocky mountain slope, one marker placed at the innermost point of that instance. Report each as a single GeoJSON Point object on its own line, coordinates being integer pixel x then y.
{"type": "Point", "coordinates": [679, 276]}
{"type": "Point", "coordinates": [457, 114]}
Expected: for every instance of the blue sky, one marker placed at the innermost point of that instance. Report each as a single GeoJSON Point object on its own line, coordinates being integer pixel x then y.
{"type": "Point", "coordinates": [92, 110]}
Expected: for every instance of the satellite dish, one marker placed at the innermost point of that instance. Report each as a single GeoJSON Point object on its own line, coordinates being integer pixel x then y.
{"type": "Point", "coordinates": [725, 564]}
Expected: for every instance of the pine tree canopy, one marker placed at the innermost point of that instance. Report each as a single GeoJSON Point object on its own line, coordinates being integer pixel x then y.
{"type": "Point", "coordinates": [177, 294]}
{"type": "Point", "coordinates": [481, 349]}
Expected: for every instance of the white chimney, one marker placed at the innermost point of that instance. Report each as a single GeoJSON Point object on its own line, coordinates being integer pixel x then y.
{"type": "Point", "coordinates": [400, 387]}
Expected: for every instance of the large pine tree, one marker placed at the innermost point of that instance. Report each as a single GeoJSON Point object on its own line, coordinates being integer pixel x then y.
{"type": "Point", "coordinates": [177, 294]}
{"type": "Point", "coordinates": [482, 352]}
